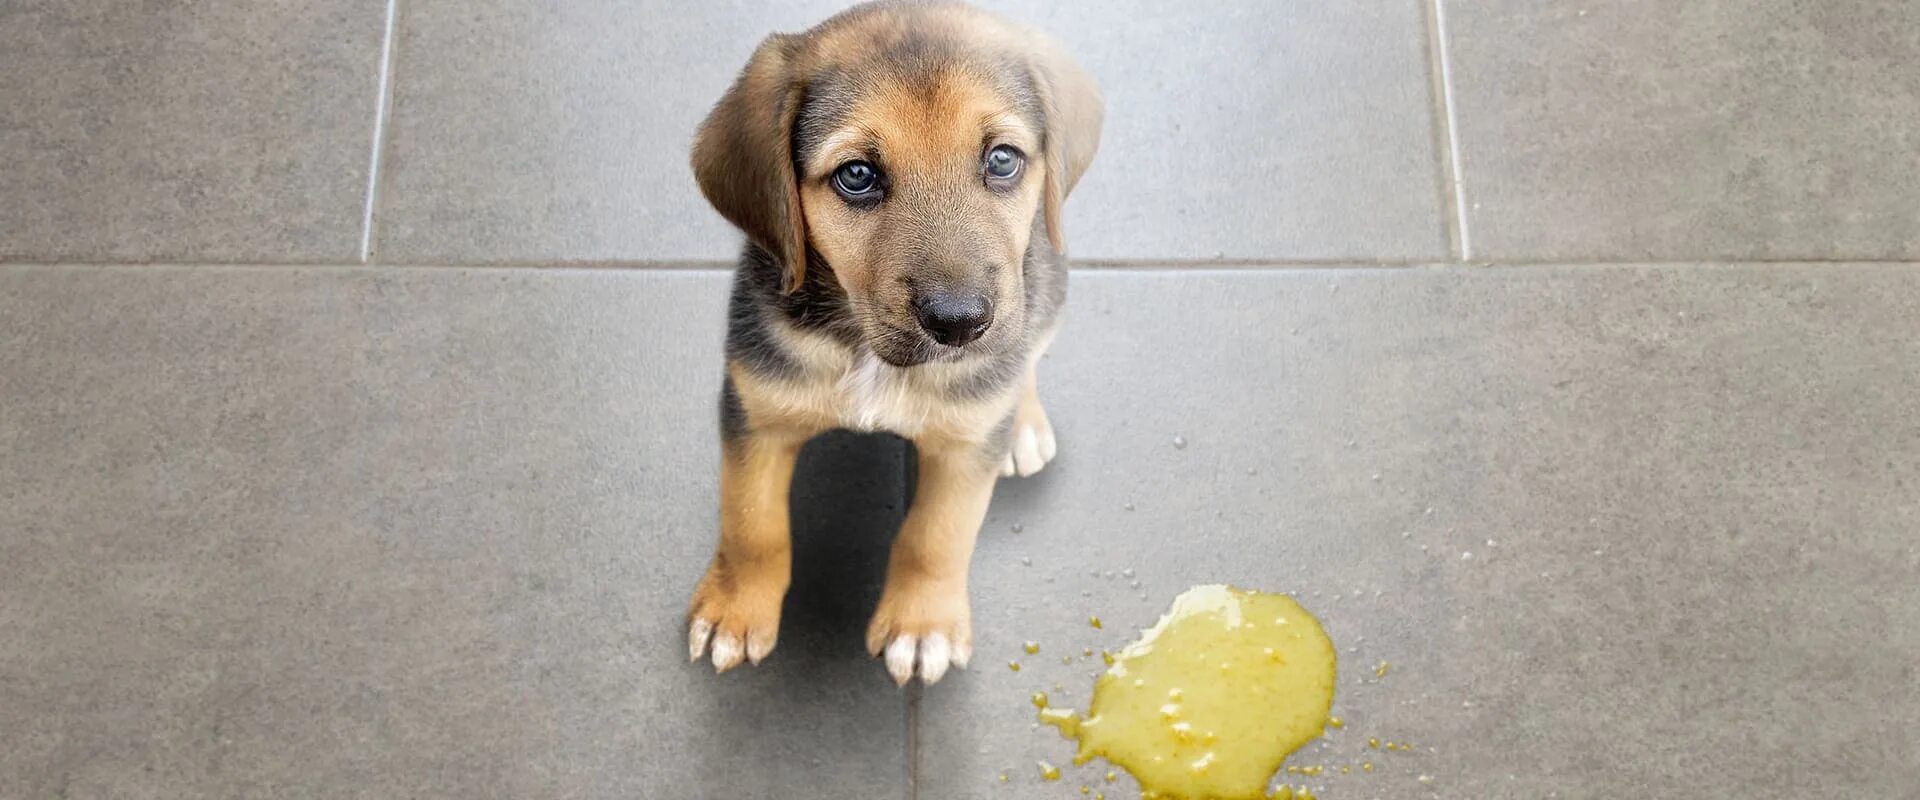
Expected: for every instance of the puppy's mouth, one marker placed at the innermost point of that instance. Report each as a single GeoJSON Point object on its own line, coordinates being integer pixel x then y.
{"type": "Point", "coordinates": [907, 349]}
{"type": "Point", "coordinates": [904, 348]}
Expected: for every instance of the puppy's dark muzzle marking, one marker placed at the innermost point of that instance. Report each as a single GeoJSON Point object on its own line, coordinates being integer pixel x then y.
{"type": "Point", "coordinates": [954, 318]}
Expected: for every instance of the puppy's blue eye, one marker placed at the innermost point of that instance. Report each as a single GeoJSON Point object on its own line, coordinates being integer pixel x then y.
{"type": "Point", "coordinates": [856, 178]}
{"type": "Point", "coordinates": [1003, 163]}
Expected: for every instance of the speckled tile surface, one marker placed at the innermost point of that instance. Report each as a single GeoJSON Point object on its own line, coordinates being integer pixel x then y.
{"type": "Point", "coordinates": [430, 532]}
{"type": "Point", "coordinates": [1622, 130]}
{"type": "Point", "coordinates": [186, 132]}
{"type": "Point", "coordinates": [1240, 130]}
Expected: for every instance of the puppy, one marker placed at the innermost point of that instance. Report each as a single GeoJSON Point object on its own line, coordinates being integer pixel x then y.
{"type": "Point", "coordinates": [899, 172]}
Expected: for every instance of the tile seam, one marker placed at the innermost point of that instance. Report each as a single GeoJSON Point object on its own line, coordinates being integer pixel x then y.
{"type": "Point", "coordinates": [382, 106]}
{"type": "Point", "coordinates": [1453, 194]}
{"type": "Point", "coordinates": [1116, 265]}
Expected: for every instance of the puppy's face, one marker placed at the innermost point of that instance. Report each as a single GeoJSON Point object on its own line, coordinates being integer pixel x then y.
{"type": "Point", "coordinates": [915, 148]}
{"type": "Point", "coordinates": [922, 194]}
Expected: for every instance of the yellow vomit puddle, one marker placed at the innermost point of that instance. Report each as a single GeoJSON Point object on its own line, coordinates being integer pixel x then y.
{"type": "Point", "coordinates": [1212, 699]}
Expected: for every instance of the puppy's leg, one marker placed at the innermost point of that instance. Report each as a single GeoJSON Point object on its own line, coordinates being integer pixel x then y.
{"type": "Point", "coordinates": [1033, 442]}
{"type": "Point", "coordinates": [923, 615]}
{"type": "Point", "coordinates": [737, 604]}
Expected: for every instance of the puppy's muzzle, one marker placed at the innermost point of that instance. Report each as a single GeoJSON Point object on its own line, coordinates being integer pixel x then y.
{"type": "Point", "coordinates": [954, 318]}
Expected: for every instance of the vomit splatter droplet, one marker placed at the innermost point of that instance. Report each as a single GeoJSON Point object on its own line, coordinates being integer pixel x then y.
{"type": "Point", "coordinates": [1095, 622]}
{"type": "Point", "coordinates": [1032, 648]}
{"type": "Point", "coordinates": [1048, 772]}
{"type": "Point", "coordinates": [1061, 718]}
{"type": "Point", "coordinates": [1213, 698]}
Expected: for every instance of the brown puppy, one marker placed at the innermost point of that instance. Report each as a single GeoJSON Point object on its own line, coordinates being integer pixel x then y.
{"type": "Point", "coordinates": [899, 172]}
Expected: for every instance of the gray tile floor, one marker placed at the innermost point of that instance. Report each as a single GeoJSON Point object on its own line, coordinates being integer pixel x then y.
{"type": "Point", "coordinates": [1474, 315]}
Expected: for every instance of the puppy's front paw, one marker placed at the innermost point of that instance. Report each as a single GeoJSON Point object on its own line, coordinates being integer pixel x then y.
{"type": "Point", "coordinates": [1033, 442]}
{"type": "Point", "coordinates": [921, 624]}
{"type": "Point", "coordinates": [738, 615]}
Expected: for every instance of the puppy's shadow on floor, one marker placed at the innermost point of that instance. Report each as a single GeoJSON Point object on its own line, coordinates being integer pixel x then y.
{"type": "Point", "coordinates": [765, 729]}
{"type": "Point", "coordinates": [850, 494]}
{"type": "Point", "coordinates": [792, 726]}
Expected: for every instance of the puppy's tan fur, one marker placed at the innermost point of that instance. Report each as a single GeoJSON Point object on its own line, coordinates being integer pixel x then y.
{"type": "Point", "coordinates": [823, 332]}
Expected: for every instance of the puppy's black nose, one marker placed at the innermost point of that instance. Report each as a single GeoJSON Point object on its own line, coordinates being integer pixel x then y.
{"type": "Point", "coordinates": [954, 318]}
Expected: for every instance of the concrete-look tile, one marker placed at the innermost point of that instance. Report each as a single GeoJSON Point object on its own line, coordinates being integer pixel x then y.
{"type": "Point", "coordinates": [1645, 529]}
{"type": "Point", "coordinates": [1621, 130]}
{"type": "Point", "coordinates": [411, 533]}
{"type": "Point", "coordinates": [560, 131]}
{"type": "Point", "coordinates": [177, 132]}
{"type": "Point", "coordinates": [1253, 130]}
{"type": "Point", "coordinates": [1243, 129]}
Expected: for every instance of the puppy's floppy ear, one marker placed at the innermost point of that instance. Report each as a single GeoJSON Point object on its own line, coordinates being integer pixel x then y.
{"type": "Point", "coordinates": [743, 155]}
{"type": "Point", "coordinates": [1074, 111]}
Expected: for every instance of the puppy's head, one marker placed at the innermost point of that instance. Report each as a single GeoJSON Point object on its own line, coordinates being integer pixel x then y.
{"type": "Point", "coordinates": [916, 148]}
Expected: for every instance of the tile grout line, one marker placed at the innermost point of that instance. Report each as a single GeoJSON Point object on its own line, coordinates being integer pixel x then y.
{"type": "Point", "coordinates": [1438, 131]}
{"type": "Point", "coordinates": [914, 692]}
{"type": "Point", "coordinates": [383, 102]}
{"type": "Point", "coordinates": [1446, 123]}
{"type": "Point", "coordinates": [1089, 265]}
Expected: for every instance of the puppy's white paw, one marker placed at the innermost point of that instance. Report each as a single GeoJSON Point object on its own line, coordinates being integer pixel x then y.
{"type": "Point", "coordinates": [734, 621]}
{"type": "Point", "coordinates": [729, 647]}
{"type": "Point", "coordinates": [929, 658]}
{"type": "Point", "coordinates": [924, 637]}
{"type": "Point", "coordinates": [1033, 442]}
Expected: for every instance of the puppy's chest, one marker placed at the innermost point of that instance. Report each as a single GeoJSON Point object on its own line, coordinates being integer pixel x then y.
{"type": "Point", "coordinates": [867, 394]}
{"type": "Point", "coordinates": [841, 388]}
{"type": "Point", "coordinates": [831, 385]}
